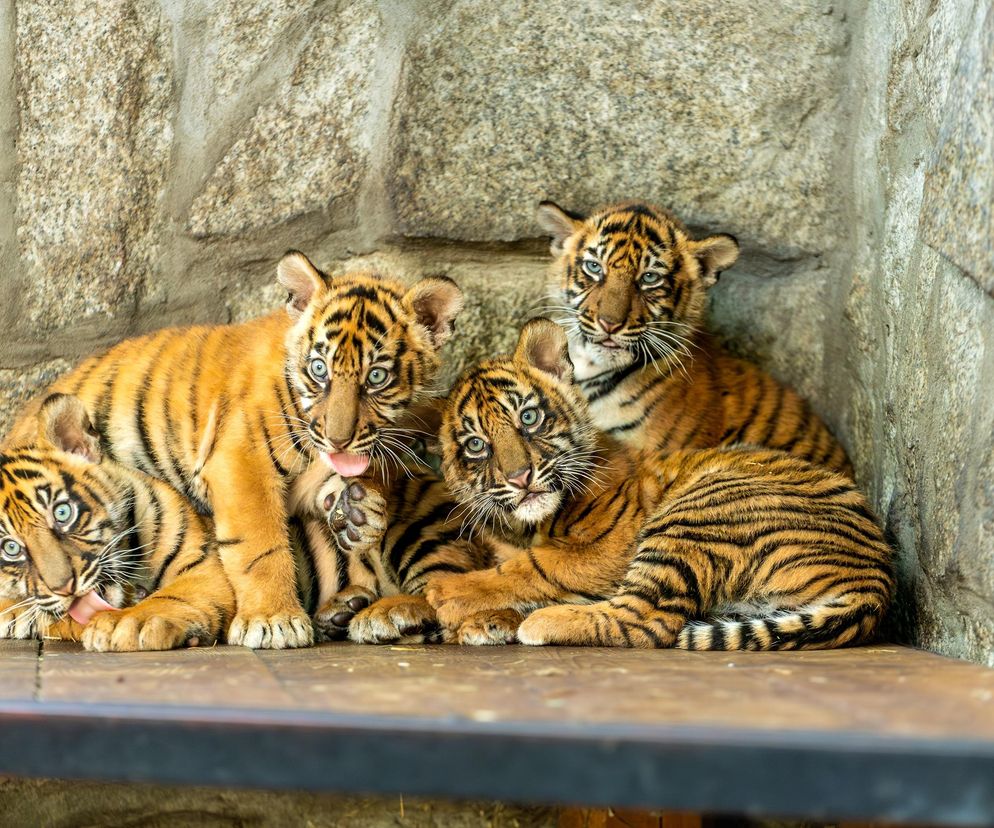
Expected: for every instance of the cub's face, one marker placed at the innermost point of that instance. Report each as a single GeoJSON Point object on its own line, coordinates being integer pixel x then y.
{"type": "Point", "coordinates": [361, 351]}
{"type": "Point", "coordinates": [62, 525]}
{"type": "Point", "coordinates": [516, 435]}
{"type": "Point", "coordinates": [630, 283]}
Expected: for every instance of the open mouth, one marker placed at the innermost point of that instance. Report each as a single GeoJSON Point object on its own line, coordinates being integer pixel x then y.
{"type": "Point", "coordinates": [85, 606]}
{"type": "Point", "coordinates": [346, 463]}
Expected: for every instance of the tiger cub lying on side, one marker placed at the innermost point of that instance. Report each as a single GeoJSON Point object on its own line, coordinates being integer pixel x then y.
{"type": "Point", "coordinates": [92, 550]}
{"type": "Point", "coordinates": [724, 548]}
{"type": "Point", "coordinates": [631, 285]}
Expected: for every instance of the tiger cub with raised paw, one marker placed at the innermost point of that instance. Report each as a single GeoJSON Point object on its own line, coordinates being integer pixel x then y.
{"type": "Point", "coordinates": [94, 551]}
{"type": "Point", "coordinates": [388, 566]}
{"type": "Point", "coordinates": [232, 416]}
{"type": "Point", "coordinates": [722, 548]}
{"type": "Point", "coordinates": [630, 285]}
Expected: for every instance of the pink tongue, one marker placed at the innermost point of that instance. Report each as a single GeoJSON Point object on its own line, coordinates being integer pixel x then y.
{"type": "Point", "coordinates": [348, 465]}
{"type": "Point", "coordinates": [86, 606]}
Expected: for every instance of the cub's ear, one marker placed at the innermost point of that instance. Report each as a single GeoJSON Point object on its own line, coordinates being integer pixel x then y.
{"type": "Point", "coordinates": [715, 253]}
{"type": "Point", "coordinates": [542, 344]}
{"type": "Point", "coordinates": [64, 424]}
{"type": "Point", "coordinates": [436, 302]}
{"type": "Point", "coordinates": [301, 279]}
{"type": "Point", "coordinates": [558, 223]}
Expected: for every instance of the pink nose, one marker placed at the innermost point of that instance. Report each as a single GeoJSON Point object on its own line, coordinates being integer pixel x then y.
{"type": "Point", "coordinates": [520, 478]}
{"type": "Point", "coordinates": [609, 325]}
{"type": "Point", "coordinates": [67, 588]}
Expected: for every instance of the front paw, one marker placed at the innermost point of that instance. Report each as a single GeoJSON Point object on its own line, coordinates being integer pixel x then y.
{"type": "Point", "coordinates": [489, 628]}
{"type": "Point", "coordinates": [281, 631]}
{"type": "Point", "coordinates": [456, 597]}
{"type": "Point", "coordinates": [126, 631]}
{"type": "Point", "coordinates": [333, 619]}
{"type": "Point", "coordinates": [358, 518]}
{"type": "Point", "coordinates": [395, 618]}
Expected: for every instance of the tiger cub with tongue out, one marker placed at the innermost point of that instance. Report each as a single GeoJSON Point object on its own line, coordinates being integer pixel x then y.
{"type": "Point", "coordinates": [92, 550]}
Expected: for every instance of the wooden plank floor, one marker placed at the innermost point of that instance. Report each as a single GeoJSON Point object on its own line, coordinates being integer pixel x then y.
{"type": "Point", "coordinates": [881, 732]}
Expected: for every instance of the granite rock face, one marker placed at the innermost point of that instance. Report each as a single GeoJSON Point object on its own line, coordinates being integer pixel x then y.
{"type": "Point", "coordinates": [94, 105]}
{"type": "Point", "coordinates": [306, 147]}
{"type": "Point", "coordinates": [724, 111]}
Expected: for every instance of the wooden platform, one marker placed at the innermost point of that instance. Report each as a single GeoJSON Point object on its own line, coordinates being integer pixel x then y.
{"type": "Point", "coordinates": [884, 733]}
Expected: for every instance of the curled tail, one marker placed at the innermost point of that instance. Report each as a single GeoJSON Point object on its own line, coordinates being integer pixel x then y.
{"type": "Point", "coordinates": [840, 623]}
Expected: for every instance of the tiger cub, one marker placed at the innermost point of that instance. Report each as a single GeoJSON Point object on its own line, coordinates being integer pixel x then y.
{"type": "Point", "coordinates": [233, 416]}
{"type": "Point", "coordinates": [721, 548]}
{"type": "Point", "coordinates": [631, 285]}
{"type": "Point", "coordinates": [92, 550]}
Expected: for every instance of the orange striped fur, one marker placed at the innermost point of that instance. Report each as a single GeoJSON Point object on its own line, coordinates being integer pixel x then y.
{"type": "Point", "coordinates": [235, 416]}
{"type": "Point", "coordinates": [72, 521]}
{"type": "Point", "coordinates": [725, 548]}
{"type": "Point", "coordinates": [630, 285]}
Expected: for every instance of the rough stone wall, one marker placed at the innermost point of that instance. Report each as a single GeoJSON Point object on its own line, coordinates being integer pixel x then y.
{"type": "Point", "coordinates": [157, 156]}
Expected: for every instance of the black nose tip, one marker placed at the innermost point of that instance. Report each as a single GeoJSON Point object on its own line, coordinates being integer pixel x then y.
{"type": "Point", "coordinates": [609, 325]}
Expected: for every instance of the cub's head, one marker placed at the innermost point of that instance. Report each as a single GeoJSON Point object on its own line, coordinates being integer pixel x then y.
{"type": "Point", "coordinates": [630, 282]}
{"type": "Point", "coordinates": [360, 351]}
{"type": "Point", "coordinates": [516, 435]}
{"type": "Point", "coordinates": [64, 524]}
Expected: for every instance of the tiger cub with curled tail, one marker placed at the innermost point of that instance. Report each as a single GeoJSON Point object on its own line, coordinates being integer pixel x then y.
{"type": "Point", "coordinates": [94, 551]}
{"type": "Point", "coordinates": [722, 548]}
{"type": "Point", "coordinates": [239, 417]}
{"type": "Point", "coordinates": [630, 285]}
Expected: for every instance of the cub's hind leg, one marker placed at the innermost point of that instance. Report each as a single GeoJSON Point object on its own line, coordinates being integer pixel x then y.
{"type": "Point", "coordinates": [667, 583]}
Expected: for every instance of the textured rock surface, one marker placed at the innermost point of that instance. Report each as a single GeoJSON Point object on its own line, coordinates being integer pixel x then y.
{"type": "Point", "coordinates": [94, 101]}
{"type": "Point", "coordinates": [726, 111]}
{"type": "Point", "coordinates": [27, 804]}
{"type": "Point", "coordinates": [305, 148]}
{"type": "Point", "coordinates": [17, 386]}
{"type": "Point", "coordinates": [958, 214]}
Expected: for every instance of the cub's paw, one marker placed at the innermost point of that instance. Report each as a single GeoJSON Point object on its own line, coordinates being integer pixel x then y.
{"type": "Point", "coordinates": [489, 628]}
{"type": "Point", "coordinates": [332, 620]}
{"type": "Point", "coordinates": [271, 632]}
{"type": "Point", "coordinates": [457, 597]}
{"type": "Point", "coordinates": [358, 518]}
{"type": "Point", "coordinates": [589, 625]}
{"type": "Point", "coordinates": [395, 618]}
{"type": "Point", "coordinates": [126, 631]}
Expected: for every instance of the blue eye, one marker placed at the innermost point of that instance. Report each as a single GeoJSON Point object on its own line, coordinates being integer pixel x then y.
{"type": "Point", "coordinates": [530, 417]}
{"type": "Point", "coordinates": [318, 369]}
{"type": "Point", "coordinates": [64, 513]}
{"type": "Point", "coordinates": [593, 269]}
{"type": "Point", "coordinates": [377, 377]}
{"type": "Point", "coordinates": [11, 550]}
{"type": "Point", "coordinates": [651, 278]}
{"type": "Point", "coordinates": [475, 447]}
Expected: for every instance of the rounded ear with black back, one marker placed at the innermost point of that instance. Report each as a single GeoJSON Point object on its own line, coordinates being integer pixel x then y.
{"type": "Point", "coordinates": [715, 253]}
{"type": "Point", "coordinates": [64, 424]}
{"type": "Point", "coordinates": [302, 280]}
{"type": "Point", "coordinates": [542, 344]}
{"type": "Point", "coordinates": [558, 223]}
{"type": "Point", "coordinates": [435, 302]}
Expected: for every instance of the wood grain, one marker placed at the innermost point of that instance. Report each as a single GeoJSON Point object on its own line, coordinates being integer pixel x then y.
{"type": "Point", "coordinates": [18, 670]}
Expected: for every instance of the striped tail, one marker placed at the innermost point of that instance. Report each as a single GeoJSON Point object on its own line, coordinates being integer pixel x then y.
{"type": "Point", "coordinates": [840, 623]}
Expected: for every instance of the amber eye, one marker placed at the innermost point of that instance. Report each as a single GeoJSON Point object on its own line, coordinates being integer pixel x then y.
{"type": "Point", "coordinates": [377, 377]}
{"type": "Point", "coordinates": [475, 448]}
{"type": "Point", "coordinates": [318, 369]}
{"type": "Point", "coordinates": [64, 514]}
{"type": "Point", "coordinates": [593, 269]}
{"type": "Point", "coordinates": [11, 550]}
{"type": "Point", "coordinates": [651, 278]}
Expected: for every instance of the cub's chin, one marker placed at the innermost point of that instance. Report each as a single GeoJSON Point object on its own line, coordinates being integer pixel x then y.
{"type": "Point", "coordinates": [590, 359]}
{"type": "Point", "coordinates": [537, 506]}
